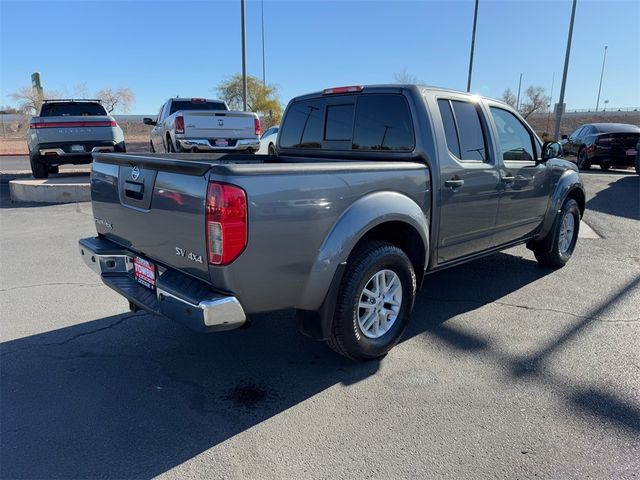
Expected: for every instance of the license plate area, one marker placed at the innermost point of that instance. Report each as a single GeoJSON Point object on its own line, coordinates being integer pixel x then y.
{"type": "Point", "coordinates": [631, 151]}
{"type": "Point", "coordinates": [221, 142]}
{"type": "Point", "coordinates": [144, 272]}
{"type": "Point", "coordinates": [77, 148]}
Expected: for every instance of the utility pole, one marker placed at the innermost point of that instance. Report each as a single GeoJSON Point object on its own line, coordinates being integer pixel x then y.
{"type": "Point", "coordinates": [519, 86]}
{"type": "Point", "coordinates": [264, 76]}
{"type": "Point", "coordinates": [473, 44]}
{"type": "Point", "coordinates": [553, 80]}
{"type": "Point", "coordinates": [604, 59]}
{"type": "Point", "coordinates": [244, 56]}
{"type": "Point", "coordinates": [559, 110]}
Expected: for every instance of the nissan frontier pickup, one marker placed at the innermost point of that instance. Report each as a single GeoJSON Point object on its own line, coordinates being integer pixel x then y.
{"type": "Point", "coordinates": [371, 188]}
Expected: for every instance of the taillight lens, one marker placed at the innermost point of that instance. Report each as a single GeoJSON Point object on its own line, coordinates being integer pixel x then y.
{"type": "Point", "coordinates": [180, 124]}
{"type": "Point", "coordinates": [258, 127]}
{"type": "Point", "coordinates": [226, 223]}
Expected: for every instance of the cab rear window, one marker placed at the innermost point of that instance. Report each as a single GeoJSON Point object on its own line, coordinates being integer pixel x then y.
{"type": "Point", "coordinates": [69, 109]}
{"type": "Point", "coordinates": [373, 122]}
{"type": "Point", "coordinates": [195, 105]}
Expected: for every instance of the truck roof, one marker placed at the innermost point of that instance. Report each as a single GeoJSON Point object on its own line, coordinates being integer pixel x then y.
{"type": "Point", "coordinates": [397, 87]}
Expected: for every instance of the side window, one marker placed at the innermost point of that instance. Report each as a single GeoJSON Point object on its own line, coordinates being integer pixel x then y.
{"type": "Point", "coordinates": [383, 122]}
{"type": "Point", "coordinates": [160, 114]}
{"type": "Point", "coordinates": [449, 127]}
{"type": "Point", "coordinates": [303, 125]}
{"type": "Point", "coordinates": [470, 131]}
{"type": "Point", "coordinates": [576, 132]}
{"type": "Point", "coordinates": [339, 123]}
{"type": "Point", "coordinates": [515, 140]}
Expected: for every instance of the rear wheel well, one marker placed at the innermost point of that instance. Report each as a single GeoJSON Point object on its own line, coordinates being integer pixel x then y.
{"type": "Point", "coordinates": [403, 236]}
{"type": "Point", "coordinates": [578, 196]}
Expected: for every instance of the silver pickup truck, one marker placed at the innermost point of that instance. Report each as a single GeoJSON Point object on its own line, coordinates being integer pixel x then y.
{"type": "Point", "coordinates": [372, 188]}
{"type": "Point", "coordinates": [69, 131]}
{"type": "Point", "coordinates": [203, 125]}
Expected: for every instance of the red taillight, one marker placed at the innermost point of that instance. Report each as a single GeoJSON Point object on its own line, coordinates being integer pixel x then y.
{"type": "Point", "coordinates": [337, 90]}
{"type": "Point", "coordinates": [179, 124]}
{"type": "Point", "coordinates": [258, 127]}
{"type": "Point", "coordinates": [226, 223]}
{"type": "Point", "coordinates": [198, 100]}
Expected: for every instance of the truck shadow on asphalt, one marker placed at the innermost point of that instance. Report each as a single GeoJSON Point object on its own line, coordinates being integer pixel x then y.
{"type": "Point", "coordinates": [134, 395]}
{"type": "Point", "coordinates": [621, 198]}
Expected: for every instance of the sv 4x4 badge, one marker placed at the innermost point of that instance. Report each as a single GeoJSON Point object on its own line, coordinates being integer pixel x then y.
{"type": "Point", "coordinates": [190, 255]}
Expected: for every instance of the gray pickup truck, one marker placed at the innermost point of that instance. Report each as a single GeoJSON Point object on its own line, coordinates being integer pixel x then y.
{"type": "Point", "coordinates": [69, 131]}
{"type": "Point", "coordinates": [371, 188]}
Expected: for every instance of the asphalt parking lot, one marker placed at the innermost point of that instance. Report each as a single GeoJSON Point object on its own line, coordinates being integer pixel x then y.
{"type": "Point", "coordinates": [509, 370]}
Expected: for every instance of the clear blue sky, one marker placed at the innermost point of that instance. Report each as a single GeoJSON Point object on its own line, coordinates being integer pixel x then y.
{"type": "Point", "coordinates": [165, 48]}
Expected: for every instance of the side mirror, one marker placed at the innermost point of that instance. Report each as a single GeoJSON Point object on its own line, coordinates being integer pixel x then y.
{"type": "Point", "coordinates": [564, 137]}
{"type": "Point", "coordinates": [551, 150]}
{"type": "Point", "coordinates": [148, 121]}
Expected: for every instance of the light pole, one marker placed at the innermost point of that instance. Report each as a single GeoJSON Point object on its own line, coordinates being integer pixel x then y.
{"type": "Point", "coordinates": [264, 76]}
{"type": "Point", "coordinates": [244, 56]}
{"type": "Point", "coordinates": [559, 110]}
{"type": "Point", "coordinates": [519, 86]}
{"type": "Point", "coordinates": [473, 44]}
{"type": "Point", "coordinates": [604, 59]}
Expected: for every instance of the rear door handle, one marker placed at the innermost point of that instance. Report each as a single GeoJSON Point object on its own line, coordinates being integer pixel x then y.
{"type": "Point", "coordinates": [508, 178]}
{"type": "Point", "coordinates": [454, 183]}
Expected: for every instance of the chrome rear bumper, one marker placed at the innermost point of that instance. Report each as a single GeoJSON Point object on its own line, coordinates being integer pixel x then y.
{"type": "Point", "coordinates": [202, 144]}
{"type": "Point", "coordinates": [178, 297]}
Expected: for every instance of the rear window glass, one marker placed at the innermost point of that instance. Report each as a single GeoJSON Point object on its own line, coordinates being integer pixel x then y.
{"type": "Point", "coordinates": [470, 133]}
{"type": "Point", "coordinates": [339, 122]}
{"type": "Point", "coordinates": [303, 125]}
{"type": "Point", "coordinates": [78, 109]}
{"type": "Point", "coordinates": [383, 122]}
{"type": "Point", "coordinates": [188, 105]}
{"type": "Point", "coordinates": [449, 127]}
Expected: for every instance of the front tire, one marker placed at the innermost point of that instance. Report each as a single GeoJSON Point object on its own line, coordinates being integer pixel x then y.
{"type": "Point", "coordinates": [375, 301]}
{"type": "Point", "coordinates": [170, 148]}
{"type": "Point", "coordinates": [604, 167]}
{"type": "Point", "coordinates": [39, 170]}
{"type": "Point", "coordinates": [151, 149]}
{"type": "Point", "coordinates": [565, 236]}
{"type": "Point", "coordinates": [583, 160]}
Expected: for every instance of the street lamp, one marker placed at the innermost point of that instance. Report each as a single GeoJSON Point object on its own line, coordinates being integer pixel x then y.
{"type": "Point", "coordinates": [560, 109]}
{"type": "Point", "coordinates": [244, 56]}
{"type": "Point", "coordinates": [473, 44]}
{"type": "Point", "coordinates": [604, 59]}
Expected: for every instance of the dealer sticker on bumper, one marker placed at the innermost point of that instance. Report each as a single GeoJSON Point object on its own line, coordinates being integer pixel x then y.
{"type": "Point", "coordinates": [144, 272]}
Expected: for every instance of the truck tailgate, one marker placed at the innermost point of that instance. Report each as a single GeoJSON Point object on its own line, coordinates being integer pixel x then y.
{"type": "Point", "coordinates": [219, 124]}
{"type": "Point", "coordinates": [69, 128]}
{"type": "Point", "coordinates": [153, 206]}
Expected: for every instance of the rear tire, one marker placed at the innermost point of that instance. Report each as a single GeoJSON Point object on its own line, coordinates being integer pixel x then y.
{"type": "Point", "coordinates": [374, 303]}
{"type": "Point", "coordinates": [151, 149]}
{"type": "Point", "coordinates": [604, 167]}
{"type": "Point", "coordinates": [583, 160]}
{"type": "Point", "coordinates": [39, 170]}
{"type": "Point", "coordinates": [271, 150]}
{"type": "Point", "coordinates": [565, 236]}
{"type": "Point", "coordinates": [638, 163]}
{"type": "Point", "coordinates": [170, 148]}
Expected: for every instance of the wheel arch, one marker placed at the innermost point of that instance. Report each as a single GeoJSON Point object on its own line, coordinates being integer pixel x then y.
{"type": "Point", "coordinates": [384, 216]}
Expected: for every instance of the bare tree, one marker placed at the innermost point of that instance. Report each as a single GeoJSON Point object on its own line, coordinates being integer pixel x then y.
{"type": "Point", "coordinates": [509, 98]}
{"type": "Point", "coordinates": [122, 99]}
{"type": "Point", "coordinates": [405, 77]}
{"type": "Point", "coordinates": [536, 101]}
{"type": "Point", "coordinates": [29, 100]}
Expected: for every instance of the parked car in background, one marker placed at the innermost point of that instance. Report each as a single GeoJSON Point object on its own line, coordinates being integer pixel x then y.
{"type": "Point", "coordinates": [372, 188]}
{"type": "Point", "coordinates": [268, 141]}
{"type": "Point", "coordinates": [203, 125]}
{"type": "Point", "coordinates": [67, 131]}
{"type": "Point", "coordinates": [604, 144]}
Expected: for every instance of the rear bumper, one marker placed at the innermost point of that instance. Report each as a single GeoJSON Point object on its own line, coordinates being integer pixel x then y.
{"type": "Point", "coordinates": [618, 156]}
{"type": "Point", "coordinates": [203, 144]}
{"type": "Point", "coordinates": [57, 154]}
{"type": "Point", "coordinates": [177, 296]}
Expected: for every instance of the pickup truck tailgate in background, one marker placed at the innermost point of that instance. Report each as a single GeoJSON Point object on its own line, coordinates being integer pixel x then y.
{"type": "Point", "coordinates": [87, 128]}
{"type": "Point", "coordinates": [218, 124]}
{"type": "Point", "coordinates": [155, 211]}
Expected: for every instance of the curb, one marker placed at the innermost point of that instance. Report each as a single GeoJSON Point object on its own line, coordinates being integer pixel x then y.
{"type": "Point", "coordinates": [55, 190]}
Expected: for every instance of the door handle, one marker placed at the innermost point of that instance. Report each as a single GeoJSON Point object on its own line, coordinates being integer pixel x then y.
{"type": "Point", "coordinates": [454, 183]}
{"type": "Point", "coordinates": [508, 178]}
